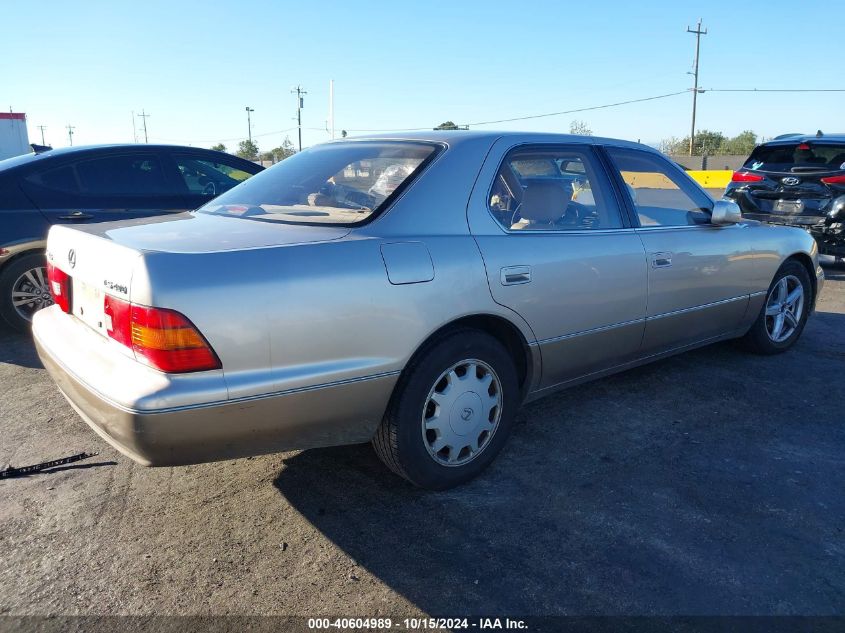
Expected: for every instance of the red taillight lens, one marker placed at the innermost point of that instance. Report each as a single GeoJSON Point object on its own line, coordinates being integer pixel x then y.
{"type": "Point", "coordinates": [59, 287]}
{"type": "Point", "coordinates": [161, 338]}
{"type": "Point", "coordinates": [745, 176]}
{"type": "Point", "coordinates": [834, 180]}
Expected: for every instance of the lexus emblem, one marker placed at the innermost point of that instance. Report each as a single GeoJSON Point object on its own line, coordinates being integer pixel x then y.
{"type": "Point", "coordinates": [71, 258]}
{"type": "Point", "coordinates": [790, 180]}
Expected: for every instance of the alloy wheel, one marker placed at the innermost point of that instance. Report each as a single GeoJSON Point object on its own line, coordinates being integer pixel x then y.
{"type": "Point", "coordinates": [31, 292]}
{"type": "Point", "coordinates": [784, 308]}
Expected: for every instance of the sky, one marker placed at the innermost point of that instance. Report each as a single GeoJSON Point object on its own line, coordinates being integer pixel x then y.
{"type": "Point", "coordinates": [195, 66]}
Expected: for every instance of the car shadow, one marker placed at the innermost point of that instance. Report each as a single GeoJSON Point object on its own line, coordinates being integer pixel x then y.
{"type": "Point", "coordinates": [16, 348]}
{"type": "Point", "coordinates": [662, 490]}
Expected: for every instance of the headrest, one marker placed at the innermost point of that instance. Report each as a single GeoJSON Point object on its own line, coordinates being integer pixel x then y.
{"type": "Point", "coordinates": [544, 202]}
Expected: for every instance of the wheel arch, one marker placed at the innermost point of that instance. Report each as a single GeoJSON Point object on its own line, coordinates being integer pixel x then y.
{"type": "Point", "coordinates": [500, 328]}
{"type": "Point", "coordinates": [807, 262]}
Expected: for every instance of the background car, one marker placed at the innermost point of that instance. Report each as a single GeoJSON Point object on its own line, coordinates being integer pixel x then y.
{"type": "Point", "coordinates": [797, 180]}
{"type": "Point", "coordinates": [320, 304]}
{"type": "Point", "coordinates": [78, 185]}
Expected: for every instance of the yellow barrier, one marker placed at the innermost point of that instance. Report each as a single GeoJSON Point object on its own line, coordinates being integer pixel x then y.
{"type": "Point", "coordinates": [712, 178]}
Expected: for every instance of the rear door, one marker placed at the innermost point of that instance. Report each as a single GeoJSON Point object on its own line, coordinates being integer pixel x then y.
{"type": "Point", "coordinates": [110, 186]}
{"type": "Point", "coordinates": [558, 252]}
{"type": "Point", "coordinates": [699, 274]}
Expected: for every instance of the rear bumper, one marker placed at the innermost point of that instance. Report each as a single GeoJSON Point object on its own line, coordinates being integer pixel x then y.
{"type": "Point", "coordinates": [324, 415]}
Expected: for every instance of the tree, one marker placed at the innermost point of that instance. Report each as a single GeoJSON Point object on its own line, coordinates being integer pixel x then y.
{"type": "Point", "coordinates": [711, 144]}
{"type": "Point", "coordinates": [580, 127]}
{"type": "Point", "coordinates": [247, 149]}
{"type": "Point", "coordinates": [447, 125]}
{"type": "Point", "coordinates": [278, 154]}
{"type": "Point", "coordinates": [219, 147]}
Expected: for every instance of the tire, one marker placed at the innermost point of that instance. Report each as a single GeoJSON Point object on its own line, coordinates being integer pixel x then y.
{"type": "Point", "coordinates": [764, 337]}
{"type": "Point", "coordinates": [16, 276]}
{"type": "Point", "coordinates": [453, 370]}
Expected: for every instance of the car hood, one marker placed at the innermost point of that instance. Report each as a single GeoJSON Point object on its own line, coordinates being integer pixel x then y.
{"type": "Point", "coordinates": [205, 233]}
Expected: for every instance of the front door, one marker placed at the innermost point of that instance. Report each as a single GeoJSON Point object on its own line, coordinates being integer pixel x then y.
{"type": "Point", "coordinates": [698, 273]}
{"type": "Point", "coordinates": [558, 252]}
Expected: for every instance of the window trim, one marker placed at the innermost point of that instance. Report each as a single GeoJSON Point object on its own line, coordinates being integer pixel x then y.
{"type": "Point", "coordinates": [615, 174]}
{"type": "Point", "coordinates": [598, 165]}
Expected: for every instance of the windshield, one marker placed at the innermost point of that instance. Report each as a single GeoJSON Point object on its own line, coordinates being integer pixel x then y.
{"type": "Point", "coordinates": [337, 183]}
{"type": "Point", "coordinates": [797, 157]}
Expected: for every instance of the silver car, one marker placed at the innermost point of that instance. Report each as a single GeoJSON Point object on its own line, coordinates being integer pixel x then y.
{"type": "Point", "coordinates": [411, 291]}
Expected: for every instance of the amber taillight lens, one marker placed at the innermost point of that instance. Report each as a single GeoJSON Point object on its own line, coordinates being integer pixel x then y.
{"type": "Point", "coordinates": [59, 287]}
{"type": "Point", "coordinates": [163, 339]}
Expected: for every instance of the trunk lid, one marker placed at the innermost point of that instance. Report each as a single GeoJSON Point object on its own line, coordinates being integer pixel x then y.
{"type": "Point", "coordinates": [206, 233]}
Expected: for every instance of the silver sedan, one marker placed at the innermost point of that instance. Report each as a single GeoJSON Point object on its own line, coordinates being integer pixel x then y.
{"type": "Point", "coordinates": [412, 291]}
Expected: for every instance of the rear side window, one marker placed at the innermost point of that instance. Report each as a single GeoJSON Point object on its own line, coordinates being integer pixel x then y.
{"type": "Point", "coordinates": [206, 177]}
{"type": "Point", "coordinates": [552, 189]}
{"type": "Point", "coordinates": [132, 175]}
{"type": "Point", "coordinates": [798, 157]}
{"type": "Point", "coordinates": [662, 194]}
{"type": "Point", "coordinates": [338, 183]}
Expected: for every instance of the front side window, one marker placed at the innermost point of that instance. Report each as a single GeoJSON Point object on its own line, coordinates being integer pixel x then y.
{"type": "Point", "coordinates": [337, 183]}
{"type": "Point", "coordinates": [209, 178]}
{"type": "Point", "coordinates": [552, 189]}
{"type": "Point", "coordinates": [662, 196]}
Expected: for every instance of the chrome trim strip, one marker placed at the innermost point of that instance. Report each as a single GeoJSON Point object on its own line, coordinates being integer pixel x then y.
{"type": "Point", "coordinates": [693, 309]}
{"type": "Point", "coordinates": [757, 294]}
{"type": "Point", "coordinates": [217, 403]}
{"type": "Point", "coordinates": [604, 328]}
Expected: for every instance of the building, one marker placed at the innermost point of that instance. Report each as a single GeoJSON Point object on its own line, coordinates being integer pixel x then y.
{"type": "Point", "coordinates": [14, 140]}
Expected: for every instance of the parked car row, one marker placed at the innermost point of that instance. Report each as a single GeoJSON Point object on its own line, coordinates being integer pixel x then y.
{"type": "Point", "coordinates": [412, 291]}
{"type": "Point", "coordinates": [79, 185]}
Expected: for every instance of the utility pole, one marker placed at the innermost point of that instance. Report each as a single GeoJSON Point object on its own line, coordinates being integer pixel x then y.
{"type": "Point", "coordinates": [42, 128]}
{"type": "Point", "coordinates": [331, 105]}
{"type": "Point", "coordinates": [698, 33]}
{"type": "Point", "coordinates": [249, 123]}
{"type": "Point", "coordinates": [299, 105]}
{"type": "Point", "coordinates": [144, 116]}
{"type": "Point", "coordinates": [70, 129]}
{"type": "Point", "coordinates": [134, 129]}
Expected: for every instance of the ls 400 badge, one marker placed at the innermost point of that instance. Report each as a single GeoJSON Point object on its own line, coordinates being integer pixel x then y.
{"type": "Point", "coordinates": [115, 287]}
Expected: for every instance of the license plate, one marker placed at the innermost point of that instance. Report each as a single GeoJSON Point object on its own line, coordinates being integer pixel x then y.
{"type": "Point", "coordinates": [788, 206]}
{"type": "Point", "coordinates": [88, 304]}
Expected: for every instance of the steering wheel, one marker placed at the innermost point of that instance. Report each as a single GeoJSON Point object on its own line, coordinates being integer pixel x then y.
{"type": "Point", "coordinates": [209, 189]}
{"type": "Point", "coordinates": [580, 211]}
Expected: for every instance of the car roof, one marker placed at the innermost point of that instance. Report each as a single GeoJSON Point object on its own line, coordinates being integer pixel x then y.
{"type": "Point", "coordinates": [457, 136]}
{"type": "Point", "coordinates": [29, 159]}
{"type": "Point", "coordinates": [789, 139]}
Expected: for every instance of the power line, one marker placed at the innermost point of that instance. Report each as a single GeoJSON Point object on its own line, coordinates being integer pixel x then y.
{"type": "Point", "coordinates": [587, 109]}
{"type": "Point", "coordinates": [772, 90]}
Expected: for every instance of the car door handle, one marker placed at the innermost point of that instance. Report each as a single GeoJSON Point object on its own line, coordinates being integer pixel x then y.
{"type": "Point", "coordinates": [513, 275]}
{"type": "Point", "coordinates": [661, 260]}
{"type": "Point", "coordinates": [76, 215]}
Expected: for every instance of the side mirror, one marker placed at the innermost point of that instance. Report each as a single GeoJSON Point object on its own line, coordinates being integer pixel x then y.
{"type": "Point", "coordinates": [725, 211]}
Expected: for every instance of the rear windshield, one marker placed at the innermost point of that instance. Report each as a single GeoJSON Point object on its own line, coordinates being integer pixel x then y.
{"type": "Point", "coordinates": [798, 157]}
{"type": "Point", "coordinates": [337, 183]}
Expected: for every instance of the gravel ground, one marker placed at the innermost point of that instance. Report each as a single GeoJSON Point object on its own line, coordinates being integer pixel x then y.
{"type": "Point", "coordinates": [709, 483]}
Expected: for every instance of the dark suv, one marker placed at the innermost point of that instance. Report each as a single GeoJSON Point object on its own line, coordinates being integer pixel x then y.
{"type": "Point", "coordinates": [800, 181]}
{"type": "Point", "coordinates": [94, 184]}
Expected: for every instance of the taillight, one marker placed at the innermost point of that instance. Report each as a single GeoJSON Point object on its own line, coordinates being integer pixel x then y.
{"type": "Point", "coordinates": [164, 339]}
{"type": "Point", "coordinates": [745, 176]}
{"type": "Point", "coordinates": [834, 180]}
{"type": "Point", "coordinates": [59, 287]}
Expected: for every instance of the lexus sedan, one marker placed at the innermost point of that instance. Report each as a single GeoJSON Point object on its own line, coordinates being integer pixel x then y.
{"type": "Point", "coordinates": [797, 180]}
{"type": "Point", "coordinates": [78, 185]}
{"type": "Point", "coordinates": [411, 291]}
